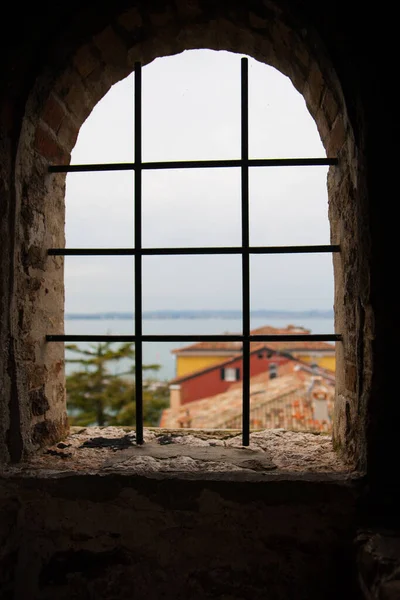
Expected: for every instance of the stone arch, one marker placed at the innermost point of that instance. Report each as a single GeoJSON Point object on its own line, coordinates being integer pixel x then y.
{"type": "Point", "coordinates": [63, 97]}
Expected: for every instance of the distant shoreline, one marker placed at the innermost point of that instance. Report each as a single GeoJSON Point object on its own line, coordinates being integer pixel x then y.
{"type": "Point", "coordinates": [205, 314]}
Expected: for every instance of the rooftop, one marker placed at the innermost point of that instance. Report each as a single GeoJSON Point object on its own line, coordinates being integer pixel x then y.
{"type": "Point", "coordinates": [221, 410]}
{"type": "Point", "coordinates": [236, 347]}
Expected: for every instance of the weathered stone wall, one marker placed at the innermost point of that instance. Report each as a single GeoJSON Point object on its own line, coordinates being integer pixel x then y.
{"type": "Point", "coordinates": [57, 64]}
{"type": "Point", "coordinates": [61, 99]}
{"type": "Point", "coordinates": [378, 563]}
{"type": "Point", "coordinates": [91, 532]}
{"type": "Point", "coordinates": [120, 537]}
{"type": "Point", "coordinates": [6, 273]}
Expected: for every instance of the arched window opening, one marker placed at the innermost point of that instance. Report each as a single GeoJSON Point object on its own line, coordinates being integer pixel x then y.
{"type": "Point", "coordinates": [59, 104]}
{"type": "Point", "coordinates": [276, 217]}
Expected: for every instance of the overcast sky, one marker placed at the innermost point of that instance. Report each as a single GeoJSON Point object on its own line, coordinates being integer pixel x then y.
{"type": "Point", "coordinates": [191, 110]}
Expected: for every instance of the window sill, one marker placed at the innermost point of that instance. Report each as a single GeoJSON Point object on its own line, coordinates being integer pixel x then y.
{"type": "Point", "coordinates": [99, 519]}
{"type": "Point", "coordinates": [189, 454]}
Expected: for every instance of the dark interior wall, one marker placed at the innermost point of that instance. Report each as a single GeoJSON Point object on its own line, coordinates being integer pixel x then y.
{"type": "Point", "coordinates": [120, 537]}
{"type": "Point", "coordinates": [305, 529]}
{"type": "Point", "coordinates": [37, 46]}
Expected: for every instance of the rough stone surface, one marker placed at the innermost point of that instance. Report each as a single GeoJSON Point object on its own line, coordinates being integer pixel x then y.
{"type": "Point", "coordinates": [185, 515]}
{"type": "Point", "coordinates": [113, 449]}
{"type": "Point", "coordinates": [378, 559]}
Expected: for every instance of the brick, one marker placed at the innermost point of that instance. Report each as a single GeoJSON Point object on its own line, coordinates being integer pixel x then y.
{"type": "Point", "coordinates": [301, 55]}
{"type": "Point", "coordinates": [314, 88]}
{"type": "Point", "coordinates": [48, 147]}
{"type": "Point", "coordinates": [77, 100]}
{"type": "Point", "coordinates": [68, 134]}
{"type": "Point", "coordinates": [337, 137]}
{"type": "Point", "coordinates": [65, 83]}
{"type": "Point", "coordinates": [130, 20]}
{"type": "Point", "coordinates": [85, 61]}
{"type": "Point", "coordinates": [297, 78]}
{"type": "Point", "coordinates": [257, 22]}
{"type": "Point", "coordinates": [112, 48]}
{"type": "Point", "coordinates": [98, 84]}
{"type": "Point", "coordinates": [264, 49]}
{"type": "Point", "coordinates": [322, 125]}
{"type": "Point", "coordinates": [53, 113]}
{"type": "Point", "coordinates": [330, 106]}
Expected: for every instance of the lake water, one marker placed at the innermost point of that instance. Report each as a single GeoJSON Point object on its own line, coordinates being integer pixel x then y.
{"type": "Point", "coordinates": [160, 352]}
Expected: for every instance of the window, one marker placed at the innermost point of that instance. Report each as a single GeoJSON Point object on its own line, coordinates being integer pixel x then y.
{"type": "Point", "coordinates": [230, 374]}
{"type": "Point", "coordinates": [273, 370]}
{"type": "Point", "coordinates": [244, 251]}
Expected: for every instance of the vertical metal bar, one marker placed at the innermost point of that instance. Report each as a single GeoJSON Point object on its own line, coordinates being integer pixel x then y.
{"type": "Point", "coordinates": [245, 252]}
{"type": "Point", "coordinates": [138, 255]}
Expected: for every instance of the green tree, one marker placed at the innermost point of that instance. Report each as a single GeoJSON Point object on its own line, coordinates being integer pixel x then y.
{"type": "Point", "coordinates": [98, 396]}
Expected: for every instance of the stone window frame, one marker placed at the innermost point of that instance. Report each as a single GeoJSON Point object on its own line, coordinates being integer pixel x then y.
{"type": "Point", "coordinates": [62, 98]}
{"type": "Point", "coordinates": [245, 249]}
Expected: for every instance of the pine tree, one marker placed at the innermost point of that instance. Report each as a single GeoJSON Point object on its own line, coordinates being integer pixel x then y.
{"type": "Point", "coordinates": [97, 396]}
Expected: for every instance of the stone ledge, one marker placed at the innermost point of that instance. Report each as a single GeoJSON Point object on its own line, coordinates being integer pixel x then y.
{"type": "Point", "coordinates": [87, 518]}
{"type": "Point", "coordinates": [273, 454]}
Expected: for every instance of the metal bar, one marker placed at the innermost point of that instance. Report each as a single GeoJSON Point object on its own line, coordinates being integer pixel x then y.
{"type": "Point", "coordinates": [246, 393]}
{"type": "Point", "coordinates": [195, 164]}
{"type": "Point", "coordinates": [91, 252]}
{"type": "Point", "coordinates": [93, 167]}
{"type": "Point", "coordinates": [205, 250]}
{"type": "Point", "coordinates": [254, 162]}
{"type": "Point", "coordinates": [145, 338]}
{"type": "Point", "coordinates": [138, 255]}
{"type": "Point", "coordinates": [311, 337]}
{"type": "Point", "coordinates": [294, 249]}
{"type": "Point", "coordinates": [245, 252]}
{"type": "Point", "coordinates": [89, 338]}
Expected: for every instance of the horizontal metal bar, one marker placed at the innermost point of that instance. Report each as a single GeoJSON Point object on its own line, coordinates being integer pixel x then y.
{"type": "Point", "coordinates": [251, 162]}
{"type": "Point", "coordinates": [294, 249]}
{"type": "Point", "coordinates": [91, 252]}
{"type": "Point", "coordinates": [183, 251]}
{"type": "Point", "coordinates": [91, 168]}
{"type": "Point", "coordinates": [308, 337]}
{"type": "Point", "coordinates": [328, 337]}
{"type": "Point", "coordinates": [144, 338]}
{"type": "Point", "coordinates": [195, 164]}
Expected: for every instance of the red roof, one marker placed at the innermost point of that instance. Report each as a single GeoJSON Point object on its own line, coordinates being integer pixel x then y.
{"type": "Point", "coordinates": [236, 347]}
